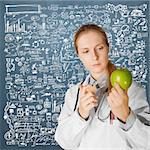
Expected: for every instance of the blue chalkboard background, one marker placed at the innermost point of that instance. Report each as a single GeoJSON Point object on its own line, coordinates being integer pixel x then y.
{"type": "Point", "coordinates": [38, 62]}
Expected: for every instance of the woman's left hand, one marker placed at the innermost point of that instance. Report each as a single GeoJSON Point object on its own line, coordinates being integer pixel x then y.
{"type": "Point", "coordinates": [118, 101]}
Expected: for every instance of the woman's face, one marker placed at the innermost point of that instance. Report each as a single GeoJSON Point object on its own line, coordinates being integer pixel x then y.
{"type": "Point", "coordinates": [93, 52]}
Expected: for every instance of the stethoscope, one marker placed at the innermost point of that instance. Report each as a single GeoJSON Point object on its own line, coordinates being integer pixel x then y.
{"type": "Point", "coordinates": [77, 98]}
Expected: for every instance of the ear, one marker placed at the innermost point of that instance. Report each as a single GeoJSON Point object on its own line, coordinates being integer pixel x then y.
{"type": "Point", "coordinates": [76, 52]}
{"type": "Point", "coordinates": [108, 45]}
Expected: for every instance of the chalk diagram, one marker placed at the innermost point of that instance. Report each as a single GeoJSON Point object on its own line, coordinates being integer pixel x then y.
{"type": "Point", "coordinates": [41, 62]}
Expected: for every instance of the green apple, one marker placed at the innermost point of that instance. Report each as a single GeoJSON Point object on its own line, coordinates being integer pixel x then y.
{"type": "Point", "coordinates": [121, 76]}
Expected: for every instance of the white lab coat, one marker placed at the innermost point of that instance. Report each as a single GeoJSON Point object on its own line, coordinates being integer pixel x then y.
{"type": "Point", "coordinates": [75, 133]}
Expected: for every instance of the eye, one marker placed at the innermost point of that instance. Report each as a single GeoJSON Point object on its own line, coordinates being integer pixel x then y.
{"type": "Point", "coordinates": [100, 48]}
{"type": "Point", "coordinates": [85, 51]}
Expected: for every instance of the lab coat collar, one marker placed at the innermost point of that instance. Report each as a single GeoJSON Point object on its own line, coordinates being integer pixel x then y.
{"type": "Point", "coordinates": [86, 81]}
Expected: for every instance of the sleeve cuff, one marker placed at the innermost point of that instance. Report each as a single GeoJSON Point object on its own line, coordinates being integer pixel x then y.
{"type": "Point", "coordinates": [129, 122]}
{"type": "Point", "coordinates": [80, 118]}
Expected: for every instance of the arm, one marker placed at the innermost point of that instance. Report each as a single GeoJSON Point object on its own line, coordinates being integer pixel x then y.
{"type": "Point", "coordinates": [132, 123]}
{"type": "Point", "coordinates": [71, 126]}
{"type": "Point", "coordinates": [136, 131]}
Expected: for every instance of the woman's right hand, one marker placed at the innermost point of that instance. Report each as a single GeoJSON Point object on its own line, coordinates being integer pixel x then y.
{"type": "Point", "coordinates": [87, 100]}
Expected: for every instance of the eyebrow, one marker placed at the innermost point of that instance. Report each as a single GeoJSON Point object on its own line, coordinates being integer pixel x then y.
{"type": "Point", "coordinates": [88, 48]}
{"type": "Point", "coordinates": [84, 48]}
{"type": "Point", "coordinates": [98, 44]}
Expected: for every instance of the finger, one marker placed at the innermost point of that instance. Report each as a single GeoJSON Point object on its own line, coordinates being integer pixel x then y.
{"type": "Point", "coordinates": [113, 99]}
{"type": "Point", "coordinates": [114, 92]}
{"type": "Point", "coordinates": [92, 102]}
{"type": "Point", "coordinates": [88, 100]}
{"type": "Point", "coordinates": [116, 97]}
{"type": "Point", "coordinates": [91, 105]}
{"type": "Point", "coordinates": [82, 89]}
{"type": "Point", "coordinates": [122, 93]}
{"type": "Point", "coordinates": [91, 88]}
{"type": "Point", "coordinates": [118, 89]}
{"type": "Point", "coordinates": [110, 102]}
{"type": "Point", "coordinates": [87, 96]}
{"type": "Point", "coordinates": [87, 88]}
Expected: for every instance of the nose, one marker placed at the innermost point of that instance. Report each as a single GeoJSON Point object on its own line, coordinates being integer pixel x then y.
{"type": "Point", "coordinates": [94, 55]}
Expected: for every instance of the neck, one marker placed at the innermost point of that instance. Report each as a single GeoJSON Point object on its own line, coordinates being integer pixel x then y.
{"type": "Point", "coordinates": [96, 76]}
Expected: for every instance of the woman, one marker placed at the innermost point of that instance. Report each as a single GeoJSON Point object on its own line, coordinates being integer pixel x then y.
{"type": "Point", "coordinates": [96, 115]}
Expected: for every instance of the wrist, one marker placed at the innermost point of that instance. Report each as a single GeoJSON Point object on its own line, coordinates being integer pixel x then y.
{"type": "Point", "coordinates": [126, 116]}
{"type": "Point", "coordinates": [82, 115]}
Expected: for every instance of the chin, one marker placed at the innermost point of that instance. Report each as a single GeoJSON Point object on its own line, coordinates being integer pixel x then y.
{"type": "Point", "coordinates": [98, 70]}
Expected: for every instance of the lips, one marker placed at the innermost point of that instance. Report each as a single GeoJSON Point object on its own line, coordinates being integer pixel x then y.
{"type": "Point", "coordinates": [94, 65]}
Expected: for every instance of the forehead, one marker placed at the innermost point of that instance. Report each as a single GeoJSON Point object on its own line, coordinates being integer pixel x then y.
{"type": "Point", "coordinates": [90, 38]}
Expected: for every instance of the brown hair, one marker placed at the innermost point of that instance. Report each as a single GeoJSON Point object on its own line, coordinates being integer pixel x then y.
{"type": "Point", "coordinates": [86, 28]}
